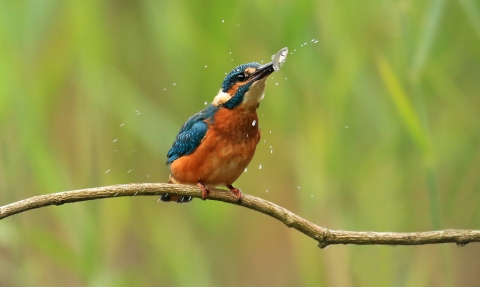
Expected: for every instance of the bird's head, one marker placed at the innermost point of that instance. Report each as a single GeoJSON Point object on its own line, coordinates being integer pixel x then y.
{"type": "Point", "coordinates": [244, 86]}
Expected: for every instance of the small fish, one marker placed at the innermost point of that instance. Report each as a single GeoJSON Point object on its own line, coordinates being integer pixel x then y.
{"type": "Point", "coordinates": [279, 58]}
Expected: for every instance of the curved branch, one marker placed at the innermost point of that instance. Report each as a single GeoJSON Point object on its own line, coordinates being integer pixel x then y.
{"type": "Point", "coordinates": [323, 235]}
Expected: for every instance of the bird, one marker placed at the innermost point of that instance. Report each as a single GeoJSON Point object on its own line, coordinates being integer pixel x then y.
{"type": "Point", "coordinates": [215, 145]}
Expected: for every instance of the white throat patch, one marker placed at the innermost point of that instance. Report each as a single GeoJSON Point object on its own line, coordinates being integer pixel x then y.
{"type": "Point", "coordinates": [255, 94]}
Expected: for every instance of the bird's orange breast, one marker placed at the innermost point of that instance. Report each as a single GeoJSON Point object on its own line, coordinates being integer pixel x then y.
{"type": "Point", "coordinates": [225, 152]}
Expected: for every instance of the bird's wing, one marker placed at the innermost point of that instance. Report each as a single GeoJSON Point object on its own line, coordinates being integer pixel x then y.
{"type": "Point", "coordinates": [190, 135]}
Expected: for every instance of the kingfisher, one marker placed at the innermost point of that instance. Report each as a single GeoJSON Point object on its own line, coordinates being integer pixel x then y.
{"type": "Point", "coordinates": [215, 145]}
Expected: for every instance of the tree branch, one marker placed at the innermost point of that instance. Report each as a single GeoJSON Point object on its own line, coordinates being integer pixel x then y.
{"type": "Point", "coordinates": [323, 235]}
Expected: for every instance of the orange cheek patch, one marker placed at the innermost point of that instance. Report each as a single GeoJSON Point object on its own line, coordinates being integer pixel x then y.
{"type": "Point", "coordinates": [233, 90]}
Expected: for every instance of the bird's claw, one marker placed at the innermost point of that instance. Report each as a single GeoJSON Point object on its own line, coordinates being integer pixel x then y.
{"type": "Point", "coordinates": [204, 189]}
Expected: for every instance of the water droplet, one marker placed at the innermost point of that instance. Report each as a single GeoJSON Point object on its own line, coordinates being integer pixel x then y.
{"type": "Point", "coordinates": [276, 84]}
{"type": "Point", "coordinates": [139, 114]}
{"type": "Point", "coordinates": [270, 131]}
{"type": "Point", "coordinates": [122, 125]}
{"type": "Point", "coordinates": [116, 194]}
{"type": "Point", "coordinates": [298, 187]}
{"type": "Point", "coordinates": [266, 190]}
{"type": "Point", "coordinates": [115, 140]}
{"type": "Point", "coordinates": [285, 78]}
{"type": "Point", "coordinates": [223, 21]}
{"type": "Point", "coordinates": [205, 103]}
{"type": "Point", "coordinates": [311, 195]}
{"type": "Point", "coordinates": [114, 150]}
{"type": "Point", "coordinates": [174, 84]}
{"type": "Point", "coordinates": [245, 170]}
{"type": "Point", "coordinates": [264, 141]}
{"type": "Point", "coordinates": [270, 147]}
{"type": "Point", "coordinates": [130, 170]}
{"type": "Point", "coordinates": [205, 66]}
{"type": "Point", "coordinates": [346, 127]}
{"type": "Point", "coordinates": [107, 171]}
{"type": "Point", "coordinates": [254, 123]}
{"type": "Point", "coordinates": [294, 50]}
{"type": "Point", "coordinates": [230, 53]}
{"type": "Point", "coordinates": [271, 151]}
{"type": "Point", "coordinates": [247, 135]}
{"type": "Point", "coordinates": [260, 166]}
{"type": "Point", "coordinates": [137, 111]}
{"type": "Point", "coordinates": [148, 175]}
{"type": "Point", "coordinates": [301, 45]}
{"type": "Point", "coordinates": [304, 43]}
{"type": "Point", "coordinates": [315, 42]}
{"type": "Point", "coordinates": [164, 89]}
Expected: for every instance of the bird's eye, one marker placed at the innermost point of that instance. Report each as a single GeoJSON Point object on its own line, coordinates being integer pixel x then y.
{"type": "Point", "coordinates": [241, 77]}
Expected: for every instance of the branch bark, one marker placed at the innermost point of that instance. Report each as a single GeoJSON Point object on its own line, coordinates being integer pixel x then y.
{"type": "Point", "coordinates": [322, 235]}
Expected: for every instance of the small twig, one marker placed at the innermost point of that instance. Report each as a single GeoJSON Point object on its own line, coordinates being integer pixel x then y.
{"type": "Point", "coordinates": [323, 235]}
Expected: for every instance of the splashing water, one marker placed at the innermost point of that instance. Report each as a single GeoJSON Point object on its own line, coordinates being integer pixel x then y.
{"type": "Point", "coordinates": [260, 166]}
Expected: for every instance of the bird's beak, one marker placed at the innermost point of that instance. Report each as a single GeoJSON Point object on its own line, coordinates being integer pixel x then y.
{"type": "Point", "coordinates": [262, 72]}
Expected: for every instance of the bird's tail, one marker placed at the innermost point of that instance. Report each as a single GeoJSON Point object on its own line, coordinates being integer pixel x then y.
{"type": "Point", "coordinates": [167, 197]}
{"type": "Point", "coordinates": [175, 198]}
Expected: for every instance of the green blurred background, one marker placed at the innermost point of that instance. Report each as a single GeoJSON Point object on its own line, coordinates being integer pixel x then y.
{"type": "Point", "coordinates": [371, 124]}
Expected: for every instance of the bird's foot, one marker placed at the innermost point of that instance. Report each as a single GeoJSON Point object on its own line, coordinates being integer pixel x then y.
{"type": "Point", "coordinates": [204, 189]}
{"type": "Point", "coordinates": [236, 191]}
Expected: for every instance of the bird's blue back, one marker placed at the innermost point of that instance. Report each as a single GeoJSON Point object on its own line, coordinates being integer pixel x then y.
{"type": "Point", "coordinates": [191, 134]}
